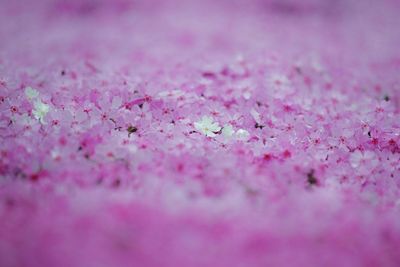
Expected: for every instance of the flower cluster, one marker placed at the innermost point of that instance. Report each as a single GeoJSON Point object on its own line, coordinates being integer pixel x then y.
{"type": "Point", "coordinates": [40, 109]}
{"type": "Point", "coordinates": [266, 133]}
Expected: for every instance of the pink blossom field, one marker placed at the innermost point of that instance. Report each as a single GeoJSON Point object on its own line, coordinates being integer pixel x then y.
{"type": "Point", "coordinates": [209, 133]}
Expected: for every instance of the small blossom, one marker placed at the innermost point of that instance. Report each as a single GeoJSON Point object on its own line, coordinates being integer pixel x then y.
{"type": "Point", "coordinates": [242, 135]}
{"type": "Point", "coordinates": [40, 110]}
{"type": "Point", "coordinates": [277, 79]}
{"type": "Point", "coordinates": [228, 131]}
{"type": "Point", "coordinates": [363, 162]}
{"type": "Point", "coordinates": [247, 95]}
{"type": "Point", "coordinates": [207, 126]}
{"type": "Point", "coordinates": [55, 154]}
{"type": "Point", "coordinates": [31, 93]}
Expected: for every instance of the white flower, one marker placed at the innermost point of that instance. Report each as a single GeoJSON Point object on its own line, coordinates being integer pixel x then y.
{"type": "Point", "coordinates": [31, 93]}
{"type": "Point", "coordinates": [207, 126]}
{"type": "Point", "coordinates": [54, 154]}
{"type": "Point", "coordinates": [247, 95]}
{"type": "Point", "coordinates": [277, 79]}
{"type": "Point", "coordinates": [242, 134]}
{"type": "Point", "coordinates": [364, 162]}
{"type": "Point", "coordinates": [227, 131]}
{"type": "Point", "coordinates": [40, 110]}
{"type": "Point", "coordinates": [357, 158]}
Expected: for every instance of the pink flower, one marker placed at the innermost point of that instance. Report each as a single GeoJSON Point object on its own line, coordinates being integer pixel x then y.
{"type": "Point", "coordinates": [364, 162]}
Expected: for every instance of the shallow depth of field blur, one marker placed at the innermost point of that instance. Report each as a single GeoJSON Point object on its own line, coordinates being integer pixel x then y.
{"type": "Point", "coordinates": [218, 133]}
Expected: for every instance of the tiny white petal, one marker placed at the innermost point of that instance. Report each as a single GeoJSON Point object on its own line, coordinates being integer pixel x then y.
{"type": "Point", "coordinates": [198, 125]}
{"type": "Point", "coordinates": [207, 120]}
{"type": "Point", "coordinates": [40, 110]}
{"type": "Point", "coordinates": [31, 93]}
{"type": "Point", "coordinates": [54, 153]}
{"type": "Point", "coordinates": [210, 134]}
{"type": "Point", "coordinates": [227, 131]}
{"type": "Point", "coordinates": [242, 134]}
{"type": "Point", "coordinates": [214, 127]}
{"type": "Point", "coordinates": [256, 116]}
{"type": "Point", "coordinates": [247, 95]}
{"type": "Point", "coordinates": [356, 158]}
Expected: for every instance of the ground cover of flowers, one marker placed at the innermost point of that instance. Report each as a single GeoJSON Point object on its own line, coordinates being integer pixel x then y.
{"type": "Point", "coordinates": [199, 133]}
